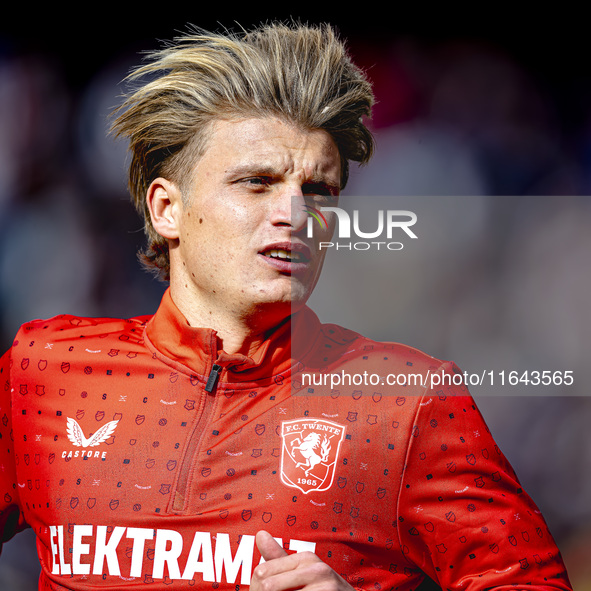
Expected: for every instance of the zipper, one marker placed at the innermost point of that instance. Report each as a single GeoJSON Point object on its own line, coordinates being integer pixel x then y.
{"type": "Point", "coordinates": [179, 497]}
{"type": "Point", "coordinates": [214, 375]}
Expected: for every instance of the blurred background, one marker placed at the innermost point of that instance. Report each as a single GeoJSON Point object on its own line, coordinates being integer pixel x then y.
{"type": "Point", "coordinates": [483, 128]}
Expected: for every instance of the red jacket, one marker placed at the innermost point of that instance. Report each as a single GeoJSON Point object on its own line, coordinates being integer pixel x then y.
{"type": "Point", "coordinates": [138, 451]}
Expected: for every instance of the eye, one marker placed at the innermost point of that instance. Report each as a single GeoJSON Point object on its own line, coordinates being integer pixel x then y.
{"type": "Point", "coordinates": [321, 193]}
{"type": "Point", "coordinates": [257, 181]}
{"type": "Point", "coordinates": [320, 189]}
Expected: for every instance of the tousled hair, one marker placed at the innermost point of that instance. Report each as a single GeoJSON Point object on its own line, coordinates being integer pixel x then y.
{"type": "Point", "coordinates": [300, 74]}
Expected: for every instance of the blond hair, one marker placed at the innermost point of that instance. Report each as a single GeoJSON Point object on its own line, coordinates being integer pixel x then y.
{"type": "Point", "coordinates": [301, 74]}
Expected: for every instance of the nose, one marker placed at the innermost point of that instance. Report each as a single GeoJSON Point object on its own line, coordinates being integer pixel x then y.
{"type": "Point", "coordinates": [289, 209]}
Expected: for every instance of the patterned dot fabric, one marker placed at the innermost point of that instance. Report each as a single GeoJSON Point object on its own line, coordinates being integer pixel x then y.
{"type": "Point", "coordinates": [134, 474]}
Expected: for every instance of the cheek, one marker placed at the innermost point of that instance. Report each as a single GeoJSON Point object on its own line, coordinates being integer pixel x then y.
{"type": "Point", "coordinates": [325, 233]}
{"type": "Point", "coordinates": [220, 235]}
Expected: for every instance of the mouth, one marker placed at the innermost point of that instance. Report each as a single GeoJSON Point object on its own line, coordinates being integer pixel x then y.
{"type": "Point", "coordinates": [285, 255]}
{"type": "Point", "coordinates": [288, 258]}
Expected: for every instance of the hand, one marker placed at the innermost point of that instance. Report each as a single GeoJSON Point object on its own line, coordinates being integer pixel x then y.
{"type": "Point", "coordinates": [283, 571]}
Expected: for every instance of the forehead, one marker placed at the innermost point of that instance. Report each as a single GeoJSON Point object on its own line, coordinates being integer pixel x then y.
{"type": "Point", "coordinates": [258, 143]}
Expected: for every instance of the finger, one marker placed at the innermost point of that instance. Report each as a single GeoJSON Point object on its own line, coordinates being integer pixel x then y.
{"type": "Point", "coordinates": [297, 571]}
{"type": "Point", "coordinates": [268, 546]}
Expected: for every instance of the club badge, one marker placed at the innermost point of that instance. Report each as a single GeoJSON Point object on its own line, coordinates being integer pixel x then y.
{"type": "Point", "coordinates": [309, 453]}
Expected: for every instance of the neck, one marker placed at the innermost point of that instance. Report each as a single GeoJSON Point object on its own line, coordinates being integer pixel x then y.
{"type": "Point", "coordinates": [238, 331]}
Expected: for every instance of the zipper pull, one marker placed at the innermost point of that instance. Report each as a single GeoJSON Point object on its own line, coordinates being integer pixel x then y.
{"type": "Point", "coordinates": [215, 373]}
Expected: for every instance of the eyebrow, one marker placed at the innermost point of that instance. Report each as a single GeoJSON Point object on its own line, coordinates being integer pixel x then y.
{"type": "Point", "coordinates": [251, 169]}
{"type": "Point", "coordinates": [269, 170]}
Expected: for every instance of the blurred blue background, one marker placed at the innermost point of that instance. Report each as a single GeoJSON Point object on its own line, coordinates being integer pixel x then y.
{"type": "Point", "coordinates": [488, 112]}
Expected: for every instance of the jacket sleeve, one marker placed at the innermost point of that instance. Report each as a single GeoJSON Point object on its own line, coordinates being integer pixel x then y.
{"type": "Point", "coordinates": [464, 518]}
{"type": "Point", "coordinates": [11, 519]}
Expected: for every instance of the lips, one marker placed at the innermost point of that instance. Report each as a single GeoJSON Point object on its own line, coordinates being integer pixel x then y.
{"type": "Point", "coordinates": [287, 257]}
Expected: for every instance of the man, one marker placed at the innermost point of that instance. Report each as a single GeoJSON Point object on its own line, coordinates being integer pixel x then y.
{"type": "Point", "coordinates": [196, 447]}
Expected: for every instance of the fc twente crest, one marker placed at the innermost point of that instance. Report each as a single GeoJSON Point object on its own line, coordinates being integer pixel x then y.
{"type": "Point", "coordinates": [309, 453]}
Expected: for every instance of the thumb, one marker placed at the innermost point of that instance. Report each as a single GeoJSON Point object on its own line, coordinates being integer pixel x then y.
{"type": "Point", "coordinates": [268, 546]}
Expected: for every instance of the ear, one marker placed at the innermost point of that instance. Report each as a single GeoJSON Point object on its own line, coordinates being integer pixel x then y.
{"type": "Point", "coordinates": [164, 201]}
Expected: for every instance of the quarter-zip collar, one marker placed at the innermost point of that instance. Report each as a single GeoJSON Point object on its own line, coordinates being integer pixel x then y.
{"type": "Point", "coordinates": [180, 345]}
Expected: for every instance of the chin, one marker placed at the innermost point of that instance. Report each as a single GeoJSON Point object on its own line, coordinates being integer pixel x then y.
{"type": "Point", "coordinates": [275, 311]}
{"type": "Point", "coordinates": [292, 294]}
